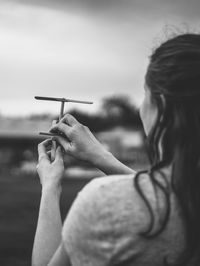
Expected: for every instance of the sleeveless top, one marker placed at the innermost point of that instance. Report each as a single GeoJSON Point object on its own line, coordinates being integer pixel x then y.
{"type": "Point", "coordinates": [104, 223]}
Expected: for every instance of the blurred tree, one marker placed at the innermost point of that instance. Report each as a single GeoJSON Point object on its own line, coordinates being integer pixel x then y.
{"type": "Point", "coordinates": [115, 111]}
{"type": "Point", "coordinates": [120, 109]}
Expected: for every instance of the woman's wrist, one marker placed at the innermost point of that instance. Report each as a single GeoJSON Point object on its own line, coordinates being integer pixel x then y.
{"type": "Point", "coordinates": [101, 159]}
{"type": "Point", "coordinates": [107, 163]}
{"type": "Point", "coordinates": [52, 188]}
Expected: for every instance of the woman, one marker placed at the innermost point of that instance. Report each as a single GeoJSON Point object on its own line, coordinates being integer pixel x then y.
{"type": "Point", "coordinates": [146, 218]}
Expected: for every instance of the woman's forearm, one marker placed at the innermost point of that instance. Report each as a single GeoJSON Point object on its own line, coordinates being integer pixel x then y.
{"type": "Point", "coordinates": [48, 232]}
{"type": "Point", "coordinates": [107, 163]}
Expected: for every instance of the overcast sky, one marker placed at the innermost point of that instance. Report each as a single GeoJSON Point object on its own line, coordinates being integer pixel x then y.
{"type": "Point", "coordinates": [82, 49]}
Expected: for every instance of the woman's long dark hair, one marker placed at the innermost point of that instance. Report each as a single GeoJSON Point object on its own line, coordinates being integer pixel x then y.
{"type": "Point", "coordinates": [173, 77]}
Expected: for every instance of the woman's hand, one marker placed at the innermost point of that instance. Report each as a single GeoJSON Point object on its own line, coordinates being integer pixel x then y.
{"type": "Point", "coordinates": [49, 226]}
{"type": "Point", "coordinates": [77, 140]}
{"type": "Point", "coordinates": [50, 172]}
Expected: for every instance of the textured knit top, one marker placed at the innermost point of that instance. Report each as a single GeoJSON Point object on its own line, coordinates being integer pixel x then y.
{"type": "Point", "coordinates": [104, 224]}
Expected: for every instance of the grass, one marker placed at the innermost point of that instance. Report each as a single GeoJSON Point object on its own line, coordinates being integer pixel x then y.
{"type": "Point", "coordinates": [19, 204]}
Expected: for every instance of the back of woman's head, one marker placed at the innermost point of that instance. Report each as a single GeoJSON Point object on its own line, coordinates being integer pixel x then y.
{"type": "Point", "coordinates": [174, 68]}
{"type": "Point", "coordinates": [173, 78]}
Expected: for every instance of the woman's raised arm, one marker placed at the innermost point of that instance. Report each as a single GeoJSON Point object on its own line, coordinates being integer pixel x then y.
{"type": "Point", "coordinates": [48, 232]}
{"type": "Point", "coordinates": [78, 141]}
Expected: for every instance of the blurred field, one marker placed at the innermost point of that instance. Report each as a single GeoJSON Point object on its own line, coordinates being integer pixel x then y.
{"type": "Point", "coordinates": [19, 203]}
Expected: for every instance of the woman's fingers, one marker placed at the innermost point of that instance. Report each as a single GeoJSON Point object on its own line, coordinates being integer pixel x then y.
{"type": "Point", "coordinates": [50, 172]}
{"type": "Point", "coordinates": [42, 150]}
{"type": "Point", "coordinates": [53, 148]}
{"type": "Point", "coordinates": [65, 125]}
{"type": "Point", "coordinates": [65, 129]}
{"type": "Point", "coordinates": [69, 120]}
{"type": "Point", "coordinates": [63, 142]}
{"type": "Point", "coordinates": [59, 155]}
{"type": "Point", "coordinates": [60, 126]}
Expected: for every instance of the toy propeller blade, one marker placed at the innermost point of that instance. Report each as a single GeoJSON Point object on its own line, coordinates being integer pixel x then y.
{"type": "Point", "coordinates": [61, 100]}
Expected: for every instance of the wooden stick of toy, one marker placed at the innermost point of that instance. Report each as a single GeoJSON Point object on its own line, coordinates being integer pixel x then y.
{"type": "Point", "coordinates": [62, 100]}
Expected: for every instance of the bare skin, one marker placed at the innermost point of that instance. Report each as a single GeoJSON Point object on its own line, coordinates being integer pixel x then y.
{"type": "Point", "coordinates": [48, 234]}
{"type": "Point", "coordinates": [77, 141]}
